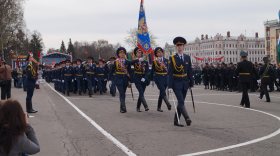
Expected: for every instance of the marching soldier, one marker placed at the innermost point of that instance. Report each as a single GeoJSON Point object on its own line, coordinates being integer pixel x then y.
{"type": "Point", "coordinates": [121, 69]}
{"type": "Point", "coordinates": [67, 76]}
{"type": "Point", "coordinates": [245, 70]}
{"type": "Point", "coordinates": [140, 77]}
{"type": "Point", "coordinates": [111, 77]}
{"type": "Point", "coordinates": [101, 75]}
{"type": "Point", "coordinates": [90, 75]}
{"type": "Point", "coordinates": [265, 73]}
{"type": "Point", "coordinates": [79, 74]}
{"type": "Point", "coordinates": [180, 79]}
{"type": "Point", "coordinates": [160, 76]}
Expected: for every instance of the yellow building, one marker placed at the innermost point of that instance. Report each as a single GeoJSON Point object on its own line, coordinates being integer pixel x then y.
{"type": "Point", "coordinates": [272, 30]}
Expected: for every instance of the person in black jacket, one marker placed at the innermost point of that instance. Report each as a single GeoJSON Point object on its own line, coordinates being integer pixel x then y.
{"type": "Point", "coordinates": [245, 70]}
{"type": "Point", "coordinates": [266, 72]}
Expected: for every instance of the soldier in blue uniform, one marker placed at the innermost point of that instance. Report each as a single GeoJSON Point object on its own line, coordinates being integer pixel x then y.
{"type": "Point", "coordinates": [159, 74]}
{"type": "Point", "coordinates": [79, 75]}
{"type": "Point", "coordinates": [31, 77]}
{"type": "Point", "coordinates": [121, 69]}
{"type": "Point", "coordinates": [90, 75]}
{"type": "Point", "coordinates": [206, 75]}
{"type": "Point", "coordinates": [140, 77]}
{"type": "Point", "coordinates": [245, 69]}
{"type": "Point", "coordinates": [180, 79]}
{"type": "Point", "coordinates": [101, 75]}
{"type": "Point", "coordinates": [67, 76]}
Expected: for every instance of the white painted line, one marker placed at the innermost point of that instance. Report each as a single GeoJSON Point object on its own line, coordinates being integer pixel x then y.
{"type": "Point", "coordinates": [240, 144]}
{"type": "Point", "coordinates": [98, 127]}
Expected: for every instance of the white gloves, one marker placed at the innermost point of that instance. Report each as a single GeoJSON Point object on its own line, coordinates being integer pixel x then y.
{"type": "Point", "coordinates": [170, 90]}
{"type": "Point", "coordinates": [62, 81]}
{"type": "Point", "coordinates": [143, 79]}
{"type": "Point", "coordinates": [277, 80]}
{"type": "Point", "coordinates": [259, 81]}
{"type": "Point", "coordinates": [141, 59]}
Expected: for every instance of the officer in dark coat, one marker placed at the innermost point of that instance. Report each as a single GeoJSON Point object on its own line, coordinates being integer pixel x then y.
{"type": "Point", "coordinates": [180, 79]}
{"type": "Point", "coordinates": [160, 76]}
{"type": "Point", "coordinates": [101, 76]}
{"type": "Point", "coordinates": [244, 70]}
{"type": "Point", "coordinates": [206, 75]}
{"type": "Point", "coordinates": [67, 76]}
{"type": "Point", "coordinates": [140, 77]}
{"type": "Point", "coordinates": [111, 78]}
{"type": "Point", "coordinates": [30, 81]}
{"type": "Point", "coordinates": [212, 76]}
{"type": "Point", "coordinates": [121, 69]}
{"type": "Point", "coordinates": [265, 73]}
{"type": "Point", "coordinates": [90, 75]}
{"type": "Point", "coordinates": [79, 75]}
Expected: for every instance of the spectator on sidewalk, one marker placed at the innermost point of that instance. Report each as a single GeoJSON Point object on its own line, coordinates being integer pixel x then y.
{"type": "Point", "coordinates": [17, 137]}
{"type": "Point", "coordinates": [6, 80]}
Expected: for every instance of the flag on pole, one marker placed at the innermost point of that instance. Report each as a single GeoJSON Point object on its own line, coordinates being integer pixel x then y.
{"type": "Point", "coordinates": [143, 37]}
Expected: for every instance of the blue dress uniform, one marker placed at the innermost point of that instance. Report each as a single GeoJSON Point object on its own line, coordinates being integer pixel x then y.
{"type": "Point", "coordinates": [140, 79]}
{"type": "Point", "coordinates": [245, 70]}
{"type": "Point", "coordinates": [121, 69]}
{"type": "Point", "coordinates": [67, 77]}
{"type": "Point", "coordinates": [101, 75]}
{"type": "Point", "coordinates": [159, 74]}
{"type": "Point", "coordinates": [111, 78]}
{"type": "Point", "coordinates": [90, 75]}
{"type": "Point", "coordinates": [31, 77]}
{"type": "Point", "coordinates": [180, 79]}
{"type": "Point", "coordinates": [79, 75]}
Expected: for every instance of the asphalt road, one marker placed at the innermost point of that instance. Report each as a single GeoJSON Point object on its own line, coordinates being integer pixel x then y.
{"type": "Point", "coordinates": [79, 125]}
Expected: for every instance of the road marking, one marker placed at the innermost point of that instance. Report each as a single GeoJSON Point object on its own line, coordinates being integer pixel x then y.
{"type": "Point", "coordinates": [98, 127]}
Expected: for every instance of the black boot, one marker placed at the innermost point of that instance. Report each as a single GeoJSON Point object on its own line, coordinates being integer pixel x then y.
{"type": "Point", "coordinates": [29, 107]}
{"type": "Point", "coordinates": [145, 104]}
{"type": "Point", "coordinates": [90, 93]}
{"type": "Point", "coordinates": [159, 104]}
{"type": "Point", "coordinates": [176, 123]}
{"type": "Point", "coordinates": [186, 116]}
{"type": "Point", "coordinates": [123, 107]}
{"type": "Point", "coordinates": [138, 105]}
{"type": "Point", "coordinates": [80, 92]}
{"type": "Point", "coordinates": [167, 103]}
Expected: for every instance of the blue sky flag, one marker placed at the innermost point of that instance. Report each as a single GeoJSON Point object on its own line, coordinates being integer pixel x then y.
{"type": "Point", "coordinates": [143, 37]}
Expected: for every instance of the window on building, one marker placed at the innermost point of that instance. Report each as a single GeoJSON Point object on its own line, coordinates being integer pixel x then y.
{"type": "Point", "coordinates": [230, 52]}
{"type": "Point", "coordinates": [220, 53]}
{"type": "Point", "coordinates": [230, 45]}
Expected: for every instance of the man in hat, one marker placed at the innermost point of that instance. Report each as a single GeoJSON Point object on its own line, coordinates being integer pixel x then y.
{"type": "Point", "coordinates": [265, 73]}
{"type": "Point", "coordinates": [79, 75]}
{"type": "Point", "coordinates": [101, 75]}
{"type": "Point", "coordinates": [159, 74]}
{"type": "Point", "coordinates": [140, 77]}
{"type": "Point", "coordinates": [121, 69]}
{"type": "Point", "coordinates": [245, 69]}
{"type": "Point", "coordinates": [67, 76]}
{"type": "Point", "coordinates": [180, 79]}
{"type": "Point", "coordinates": [90, 75]}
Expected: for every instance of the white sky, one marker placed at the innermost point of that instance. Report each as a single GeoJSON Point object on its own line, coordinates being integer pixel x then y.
{"type": "Point", "coordinates": [90, 20]}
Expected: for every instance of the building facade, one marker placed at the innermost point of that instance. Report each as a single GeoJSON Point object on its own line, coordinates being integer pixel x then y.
{"type": "Point", "coordinates": [272, 31]}
{"type": "Point", "coordinates": [226, 48]}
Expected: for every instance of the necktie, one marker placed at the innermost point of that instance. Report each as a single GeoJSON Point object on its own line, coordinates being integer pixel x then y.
{"type": "Point", "coordinates": [181, 58]}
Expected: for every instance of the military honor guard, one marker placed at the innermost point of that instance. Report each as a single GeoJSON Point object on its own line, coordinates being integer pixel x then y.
{"type": "Point", "coordinates": [90, 69]}
{"type": "Point", "coordinates": [121, 68]}
{"type": "Point", "coordinates": [245, 69]}
{"type": "Point", "coordinates": [67, 76]}
{"type": "Point", "coordinates": [265, 73]}
{"type": "Point", "coordinates": [160, 77]}
{"type": "Point", "coordinates": [140, 77]}
{"type": "Point", "coordinates": [112, 85]}
{"type": "Point", "coordinates": [79, 72]}
{"type": "Point", "coordinates": [101, 76]}
{"type": "Point", "coordinates": [180, 79]}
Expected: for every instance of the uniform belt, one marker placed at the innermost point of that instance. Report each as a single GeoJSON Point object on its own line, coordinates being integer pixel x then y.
{"type": "Point", "coordinates": [139, 72]}
{"type": "Point", "coordinates": [91, 73]}
{"type": "Point", "coordinates": [67, 74]}
{"type": "Point", "coordinates": [161, 73]}
{"type": "Point", "coordinates": [100, 74]}
{"type": "Point", "coordinates": [266, 76]}
{"type": "Point", "coordinates": [79, 75]}
{"type": "Point", "coordinates": [179, 75]}
{"type": "Point", "coordinates": [120, 73]}
{"type": "Point", "coordinates": [244, 74]}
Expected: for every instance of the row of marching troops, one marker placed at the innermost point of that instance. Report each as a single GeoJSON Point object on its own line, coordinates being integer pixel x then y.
{"type": "Point", "coordinates": [222, 77]}
{"type": "Point", "coordinates": [174, 74]}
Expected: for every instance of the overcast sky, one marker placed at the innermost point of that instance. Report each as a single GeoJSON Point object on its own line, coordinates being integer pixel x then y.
{"type": "Point", "coordinates": [90, 20]}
